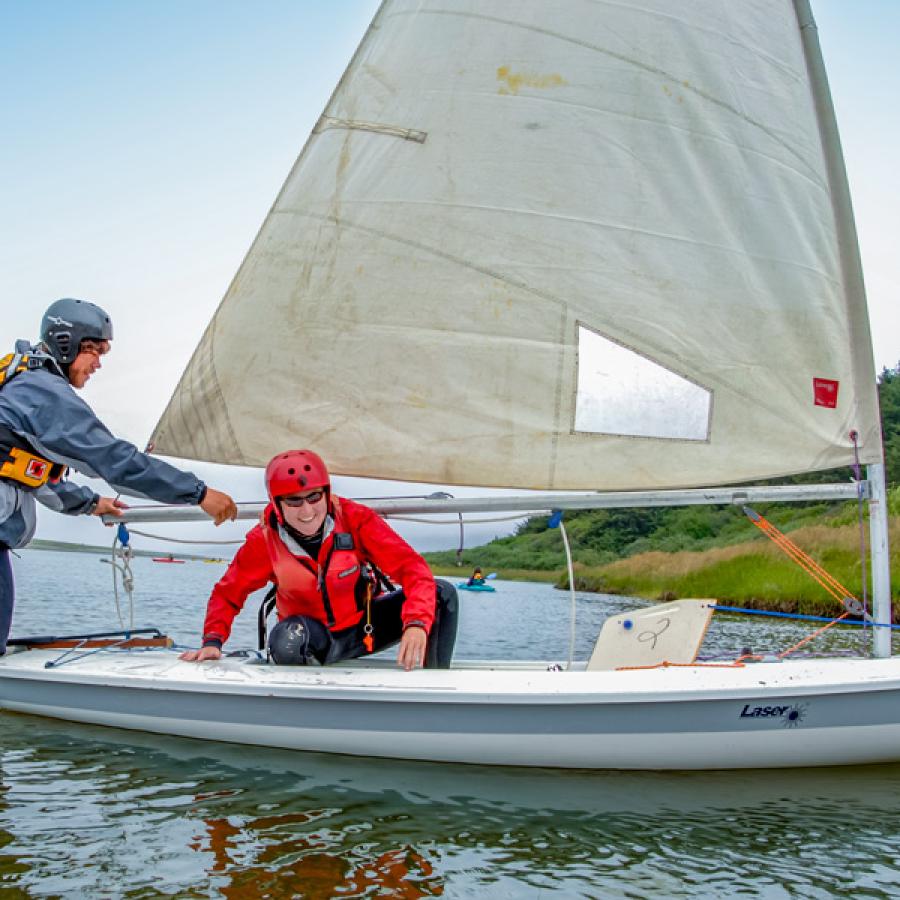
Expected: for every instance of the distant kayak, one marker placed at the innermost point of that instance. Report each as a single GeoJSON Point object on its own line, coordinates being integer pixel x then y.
{"type": "Point", "coordinates": [475, 587]}
{"type": "Point", "coordinates": [167, 559]}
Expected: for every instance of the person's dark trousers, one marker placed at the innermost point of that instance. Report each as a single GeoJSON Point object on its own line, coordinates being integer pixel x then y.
{"type": "Point", "coordinates": [290, 645]}
{"type": "Point", "coordinates": [443, 633]}
{"type": "Point", "coordinates": [388, 625]}
{"type": "Point", "coordinates": [7, 596]}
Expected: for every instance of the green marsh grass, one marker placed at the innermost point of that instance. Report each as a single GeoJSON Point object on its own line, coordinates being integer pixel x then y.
{"type": "Point", "coordinates": [755, 573]}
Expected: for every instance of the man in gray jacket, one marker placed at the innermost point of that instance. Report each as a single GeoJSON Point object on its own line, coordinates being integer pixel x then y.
{"type": "Point", "coordinates": [45, 428]}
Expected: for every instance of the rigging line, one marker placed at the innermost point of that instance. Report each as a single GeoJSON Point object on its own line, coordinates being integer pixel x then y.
{"type": "Point", "coordinates": [73, 655]}
{"type": "Point", "coordinates": [815, 634]}
{"type": "Point", "coordinates": [124, 553]}
{"type": "Point", "coordinates": [172, 540]}
{"type": "Point", "coordinates": [825, 578]}
{"type": "Point", "coordinates": [803, 559]}
{"type": "Point", "coordinates": [809, 565]}
{"type": "Point", "coordinates": [459, 550]}
{"type": "Point", "coordinates": [833, 587]}
{"type": "Point", "coordinates": [736, 664]}
{"type": "Point", "coordinates": [573, 606]}
{"type": "Point", "coordinates": [454, 521]}
{"type": "Point", "coordinates": [783, 615]}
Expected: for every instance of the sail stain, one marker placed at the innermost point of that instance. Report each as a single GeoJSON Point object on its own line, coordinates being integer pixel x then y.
{"type": "Point", "coordinates": [343, 159]}
{"type": "Point", "coordinates": [416, 399]}
{"type": "Point", "coordinates": [514, 81]}
{"type": "Point", "coordinates": [670, 93]}
{"type": "Point", "coordinates": [502, 307]}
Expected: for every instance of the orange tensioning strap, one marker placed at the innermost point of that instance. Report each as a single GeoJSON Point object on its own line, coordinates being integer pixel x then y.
{"type": "Point", "coordinates": [809, 637]}
{"type": "Point", "coordinates": [804, 560]}
{"type": "Point", "coordinates": [831, 584]}
{"type": "Point", "coordinates": [809, 565]}
{"type": "Point", "coordinates": [736, 664]}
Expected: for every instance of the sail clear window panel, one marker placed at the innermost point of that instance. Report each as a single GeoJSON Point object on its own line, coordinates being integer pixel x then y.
{"type": "Point", "coordinates": [621, 392]}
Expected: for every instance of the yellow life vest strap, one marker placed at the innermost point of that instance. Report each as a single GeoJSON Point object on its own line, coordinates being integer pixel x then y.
{"type": "Point", "coordinates": [11, 365]}
{"type": "Point", "coordinates": [24, 359]}
{"type": "Point", "coordinates": [18, 460]}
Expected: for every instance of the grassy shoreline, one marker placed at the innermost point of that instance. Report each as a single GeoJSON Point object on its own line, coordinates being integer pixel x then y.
{"type": "Point", "coordinates": [755, 573]}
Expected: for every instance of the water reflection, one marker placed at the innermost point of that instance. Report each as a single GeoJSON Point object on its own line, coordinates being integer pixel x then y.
{"type": "Point", "coordinates": [91, 811]}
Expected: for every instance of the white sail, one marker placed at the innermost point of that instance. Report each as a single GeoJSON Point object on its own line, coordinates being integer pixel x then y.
{"type": "Point", "coordinates": [553, 245]}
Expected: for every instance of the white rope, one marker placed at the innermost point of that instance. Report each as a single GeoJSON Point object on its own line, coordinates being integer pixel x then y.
{"type": "Point", "coordinates": [125, 554]}
{"type": "Point", "coordinates": [456, 521]}
{"type": "Point", "coordinates": [171, 540]}
{"type": "Point", "coordinates": [565, 537]}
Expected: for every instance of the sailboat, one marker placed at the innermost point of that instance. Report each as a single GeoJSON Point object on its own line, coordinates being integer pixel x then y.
{"type": "Point", "coordinates": [604, 251]}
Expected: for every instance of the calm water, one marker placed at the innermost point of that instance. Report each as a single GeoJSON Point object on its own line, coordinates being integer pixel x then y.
{"type": "Point", "coordinates": [102, 813]}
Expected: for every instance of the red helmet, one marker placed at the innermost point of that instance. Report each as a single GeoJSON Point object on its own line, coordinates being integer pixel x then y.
{"type": "Point", "coordinates": [295, 470]}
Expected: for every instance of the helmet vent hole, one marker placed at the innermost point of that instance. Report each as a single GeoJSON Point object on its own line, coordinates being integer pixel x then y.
{"type": "Point", "coordinates": [290, 471]}
{"type": "Point", "coordinates": [307, 467]}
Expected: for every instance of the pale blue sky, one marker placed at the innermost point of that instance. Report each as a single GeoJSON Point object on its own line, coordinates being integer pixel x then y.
{"type": "Point", "coordinates": [143, 143]}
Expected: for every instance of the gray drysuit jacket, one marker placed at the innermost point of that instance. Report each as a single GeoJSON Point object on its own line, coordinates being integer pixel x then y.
{"type": "Point", "coordinates": [42, 407]}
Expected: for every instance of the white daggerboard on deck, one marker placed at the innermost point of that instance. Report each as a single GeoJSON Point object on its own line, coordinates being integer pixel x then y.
{"type": "Point", "coordinates": [668, 633]}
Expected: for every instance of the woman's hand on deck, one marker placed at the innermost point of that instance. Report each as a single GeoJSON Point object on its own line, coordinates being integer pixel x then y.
{"type": "Point", "coordinates": [202, 654]}
{"type": "Point", "coordinates": [412, 648]}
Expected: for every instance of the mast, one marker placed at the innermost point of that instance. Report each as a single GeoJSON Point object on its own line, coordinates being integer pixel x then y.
{"type": "Point", "coordinates": [881, 566]}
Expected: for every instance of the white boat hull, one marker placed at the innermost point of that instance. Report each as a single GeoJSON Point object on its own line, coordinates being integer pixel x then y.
{"type": "Point", "coordinates": [810, 713]}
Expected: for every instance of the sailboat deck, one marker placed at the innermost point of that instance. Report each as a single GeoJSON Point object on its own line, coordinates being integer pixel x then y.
{"type": "Point", "coordinates": [468, 681]}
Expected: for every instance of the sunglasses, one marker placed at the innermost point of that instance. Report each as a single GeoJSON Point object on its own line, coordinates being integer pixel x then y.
{"type": "Point", "coordinates": [314, 497]}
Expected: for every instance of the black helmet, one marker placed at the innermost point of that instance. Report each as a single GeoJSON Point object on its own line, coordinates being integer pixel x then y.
{"type": "Point", "coordinates": [68, 322]}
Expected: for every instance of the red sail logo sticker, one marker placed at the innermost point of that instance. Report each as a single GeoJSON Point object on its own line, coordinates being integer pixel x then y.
{"type": "Point", "coordinates": [825, 392]}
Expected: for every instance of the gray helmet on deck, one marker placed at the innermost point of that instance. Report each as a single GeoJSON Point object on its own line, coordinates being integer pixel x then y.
{"type": "Point", "coordinates": [68, 322]}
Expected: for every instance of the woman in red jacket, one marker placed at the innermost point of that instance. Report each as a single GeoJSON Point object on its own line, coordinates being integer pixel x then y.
{"type": "Point", "coordinates": [329, 559]}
